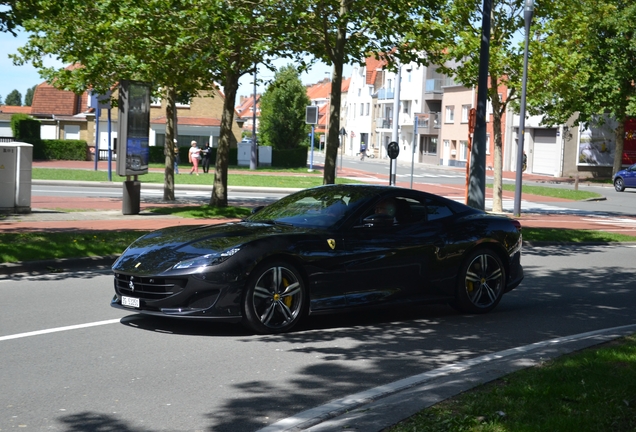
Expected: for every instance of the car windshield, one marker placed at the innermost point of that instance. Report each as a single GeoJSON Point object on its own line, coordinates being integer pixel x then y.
{"type": "Point", "coordinates": [323, 207]}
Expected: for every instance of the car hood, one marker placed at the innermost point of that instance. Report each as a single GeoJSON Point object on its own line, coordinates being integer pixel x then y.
{"type": "Point", "coordinates": [159, 251]}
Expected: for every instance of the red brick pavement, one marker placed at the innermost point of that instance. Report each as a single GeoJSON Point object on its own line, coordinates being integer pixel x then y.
{"type": "Point", "coordinates": [106, 213]}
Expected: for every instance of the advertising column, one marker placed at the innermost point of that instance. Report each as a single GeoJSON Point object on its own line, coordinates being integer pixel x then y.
{"type": "Point", "coordinates": [132, 140]}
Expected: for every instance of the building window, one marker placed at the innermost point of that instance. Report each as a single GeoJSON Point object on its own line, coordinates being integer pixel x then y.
{"type": "Point", "coordinates": [465, 113]}
{"type": "Point", "coordinates": [430, 146]}
{"type": "Point", "coordinates": [368, 107]}
{"type": "Point", "coordinates": [361, 109]}
{"type": "Point", "coordinates": [463, 150]}
{"type": "Point", "coordinates": [406, 106]}
{"type": "Point", "coordinates": [71, 132]}
{"type": "Point", "coordinates": [450, 114]}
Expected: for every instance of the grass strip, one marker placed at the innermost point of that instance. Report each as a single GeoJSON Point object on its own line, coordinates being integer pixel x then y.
{"type": "Point", "coordinates": [571, 194]}
{"type": "Point", "coordinates": [558, 235]}
{"type": "Point", "coordinates": [35, 246]}
{"type": "Point", "coordinates": [52, 245]}
{"type": "Point", "coordinates": [261, 180]}
{"type": "Point", "coordinates": [592, 390]}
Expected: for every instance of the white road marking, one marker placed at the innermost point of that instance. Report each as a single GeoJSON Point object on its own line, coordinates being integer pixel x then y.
{"type": "Point", "coordinates": [59, 329]}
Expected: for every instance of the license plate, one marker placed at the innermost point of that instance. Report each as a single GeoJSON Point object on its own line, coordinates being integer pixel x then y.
{"type": "Point", "coordinates": [130, 302]}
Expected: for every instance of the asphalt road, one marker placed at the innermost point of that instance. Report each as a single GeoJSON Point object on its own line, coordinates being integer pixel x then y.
{"type": "Point", "coordinates": [70, 362]}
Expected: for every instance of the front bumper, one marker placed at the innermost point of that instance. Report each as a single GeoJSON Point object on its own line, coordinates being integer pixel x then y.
{"type": "Point", "coordinates": [188, 296]}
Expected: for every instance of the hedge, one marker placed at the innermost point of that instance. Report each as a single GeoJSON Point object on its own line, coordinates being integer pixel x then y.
{"type": "Point", "coordinates": [157, 156]}
{"type": "Point", "coordinates": [25, 129]}
{"type": "Point", "coordinates": [294, 158]}
{"type": "Point", "coordinates": [60, 150]}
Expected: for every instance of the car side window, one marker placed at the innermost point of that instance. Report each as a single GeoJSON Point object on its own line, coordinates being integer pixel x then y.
{"type": "Point", "coordinates": [437, 210]}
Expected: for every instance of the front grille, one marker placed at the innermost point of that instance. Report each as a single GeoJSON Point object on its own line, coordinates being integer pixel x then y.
{"type": "Point", "coordinates": [148, 288]}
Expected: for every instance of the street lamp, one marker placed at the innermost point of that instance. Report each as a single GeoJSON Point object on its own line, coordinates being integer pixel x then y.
{"type": "Point", "coordinates": [527, 16]}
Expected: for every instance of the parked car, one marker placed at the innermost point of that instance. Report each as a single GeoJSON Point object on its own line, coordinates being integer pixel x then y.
{"type": "Point", "coordinates": [321, 250]}
{"type": "Point", "coordinates": [625, 178]}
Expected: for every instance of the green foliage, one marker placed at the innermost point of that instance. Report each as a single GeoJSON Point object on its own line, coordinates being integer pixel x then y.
{"type": "Point", "coordinates": [290, 158]}
{"type": "Point", "coordinates": [589, 390]}
{"type": "Point", "coordinates": [282, 121]}
{"type": "Point", "coordinates": [583, 62]}
{"type": "Point", "coordinates": [52, 245]}
{"type": "Point", "coordinates": [28, 97]}
{"type": "Point", "coordinates": [60, 150]}
{"type": "Point", "coordinates": [26, 129]}
{"type": "Point", "coordinates": [14, 98]}
{"type": "Point", "coordinates": [343, 32]}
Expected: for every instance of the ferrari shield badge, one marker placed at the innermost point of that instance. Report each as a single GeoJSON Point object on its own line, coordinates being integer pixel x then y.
{"type": "Point", "coordinates": [331, 243]}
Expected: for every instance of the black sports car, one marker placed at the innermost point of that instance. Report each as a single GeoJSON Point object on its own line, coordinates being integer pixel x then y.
{"type": "Point", "coordinates": [320, 250]}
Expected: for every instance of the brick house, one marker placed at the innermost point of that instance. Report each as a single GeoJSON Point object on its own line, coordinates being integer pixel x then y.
{"type": "Point", "coordinates": [66, 115]}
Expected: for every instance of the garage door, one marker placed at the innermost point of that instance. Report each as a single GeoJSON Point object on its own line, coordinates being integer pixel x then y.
{"type": "Point", "coordinates": [545, 155]}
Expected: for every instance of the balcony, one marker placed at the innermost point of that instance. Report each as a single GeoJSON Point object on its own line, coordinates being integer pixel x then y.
{"type": "Point", "coordinates": [434, 88]}
{"type": "Point", "coordinates": [384, 94]}
{"type": "Point", "coordinates": [429, 123]}
{"type": "Point", "coordinates": [382, 123]}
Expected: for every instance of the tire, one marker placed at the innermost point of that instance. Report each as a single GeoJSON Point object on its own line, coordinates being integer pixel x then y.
{"type": "Point", "coordinates": [275, 298]}
{"type": "Point", "coordinates": [619, 184]}
{"type": "Point", "coordinates": [481, 282]}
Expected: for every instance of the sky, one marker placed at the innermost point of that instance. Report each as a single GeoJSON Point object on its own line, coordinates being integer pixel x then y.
{"type": "Point", "coordinates": [24, 77]}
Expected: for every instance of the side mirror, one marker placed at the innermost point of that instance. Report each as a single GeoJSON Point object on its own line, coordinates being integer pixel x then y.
{"type": "Point", "coordinates": [378, 221]}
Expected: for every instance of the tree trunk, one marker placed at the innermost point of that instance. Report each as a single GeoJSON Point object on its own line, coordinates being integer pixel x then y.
{"type": "Point", "coordinates": [168, 149]}
{"type": "Point", "coordinates": [333, 138]}
{"type": "Point", "coordinates": [620, 146]}
{"type": "Point", "coordinates": [219, 190]}
{"type": "Point", "coordinates": [497, 109]}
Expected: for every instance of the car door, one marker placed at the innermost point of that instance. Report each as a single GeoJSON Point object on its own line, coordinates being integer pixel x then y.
{"type": "Point", "coordinates": [392, 263]}
{"type": "Point", "coordinates": [630, 176]}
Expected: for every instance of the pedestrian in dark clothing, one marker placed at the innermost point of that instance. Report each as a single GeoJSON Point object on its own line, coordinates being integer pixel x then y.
{"type": "Point", "coordinates": [206, 154]}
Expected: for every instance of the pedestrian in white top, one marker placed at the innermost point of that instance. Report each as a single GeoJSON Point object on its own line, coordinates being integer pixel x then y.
{"type": "Point", "coordinates": [194, 156]}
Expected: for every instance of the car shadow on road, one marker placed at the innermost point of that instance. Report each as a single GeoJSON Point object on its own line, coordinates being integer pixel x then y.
{"type": "Point", "coordinates": [352, 352]}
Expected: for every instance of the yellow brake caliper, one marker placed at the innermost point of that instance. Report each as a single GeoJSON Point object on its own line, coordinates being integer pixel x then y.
{"type": "Point", "coordinates": [287, 299]}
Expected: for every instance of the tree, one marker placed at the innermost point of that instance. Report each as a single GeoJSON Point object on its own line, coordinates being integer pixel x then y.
{"type": "Point", "coordinates": [28, 97]}
{"type": "Point", "coordinates": [282, 122]}
{"type": "Point", "coordinates": [339, 32]}
{"type": "Point", "coordinates": [583, 62]}
{"type": "Point", "coordinates": [245, 34]}
{"type": "Point", "coordinates": [458, 53]}
{"type": "Point", "coordinates": [14, 98]}
{"type": "Point", "coordinates": [157, 41]}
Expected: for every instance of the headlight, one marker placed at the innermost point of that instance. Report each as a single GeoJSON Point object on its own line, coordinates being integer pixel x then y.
{"type": "Point", "coordinates": [206, 260]}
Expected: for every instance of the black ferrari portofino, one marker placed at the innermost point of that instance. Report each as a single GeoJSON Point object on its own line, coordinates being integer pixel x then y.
{"type": "Point", "coordinates": [321, 250]}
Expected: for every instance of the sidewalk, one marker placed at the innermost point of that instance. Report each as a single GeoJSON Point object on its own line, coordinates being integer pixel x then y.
{"type": "Point", "coordinates": [105, 213]}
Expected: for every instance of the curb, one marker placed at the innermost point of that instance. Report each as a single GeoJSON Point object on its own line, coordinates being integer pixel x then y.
{"type": "Point", "coordinates": [378, 408]}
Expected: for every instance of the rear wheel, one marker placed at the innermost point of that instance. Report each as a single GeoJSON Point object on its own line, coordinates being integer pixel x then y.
{"type": "Point", "coordinates": [619, 184]}
{"type": "Point", "coordinates": [481, 283]}
{"type": "Point", "coordinates": [275, 298]}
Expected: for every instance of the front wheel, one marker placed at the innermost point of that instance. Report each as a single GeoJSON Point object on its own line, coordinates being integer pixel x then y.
{"type": "Point", "coordinates": [619, 185]}
{"type": "Point", "coordinates": [481, 284]}
{"type": "Point", "coordinates": [275, 299]}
